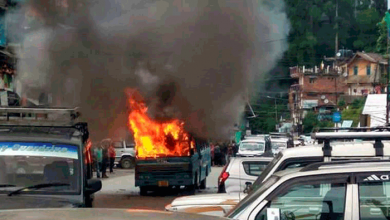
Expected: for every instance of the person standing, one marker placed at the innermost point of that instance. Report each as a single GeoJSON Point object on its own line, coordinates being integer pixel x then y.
{"type": "Point", "coordinates": [104, 161]}
{"type": "Point", "coordinates": [111, 155]}
{"type": "Point", "coordinates": [99, 159]}
{"type": "Point", "coordinates": [212, 154]}
{"type": "Point", "coordinates": [217, 155]}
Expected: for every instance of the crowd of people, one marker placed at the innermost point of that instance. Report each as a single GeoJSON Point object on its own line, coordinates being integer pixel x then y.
{"type": "Point", "coordinates": [221, 152]}
{"type": "Point", "coordinates": [104, 157]}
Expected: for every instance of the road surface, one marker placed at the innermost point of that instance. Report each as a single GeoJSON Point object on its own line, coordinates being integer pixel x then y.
{"type": "Point", "coordinates": [118, 191]}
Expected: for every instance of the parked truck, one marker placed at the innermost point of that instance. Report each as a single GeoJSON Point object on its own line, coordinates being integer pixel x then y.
{"type": "Point", "coordinates": [159, 172]}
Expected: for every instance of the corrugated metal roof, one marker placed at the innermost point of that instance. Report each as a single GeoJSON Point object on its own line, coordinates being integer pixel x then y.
{"type": "Point", "coordinates": [372, 57]}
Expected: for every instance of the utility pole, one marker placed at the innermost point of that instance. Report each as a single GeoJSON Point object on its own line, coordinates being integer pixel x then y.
{"type": "Point", "coordinates": [276, 112]}
{"type": "Point", "coordinates": [337, 27]}
{"type": "Point", "coordinates": [388, 69]}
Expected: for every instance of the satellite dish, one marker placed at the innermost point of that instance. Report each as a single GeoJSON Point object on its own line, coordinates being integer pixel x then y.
{"type": "Point", "coordinates": [345, 74]}
{"type": "Point", "coordinates": [326, 101]}
{"type": "Point", "coordinates": [338, 54]}
{"type": "Point", "coordinates": [323, 97]}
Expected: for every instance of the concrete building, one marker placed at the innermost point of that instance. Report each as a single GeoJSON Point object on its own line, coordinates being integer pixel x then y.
{"type": "Point", "coordinates": [317, 88]}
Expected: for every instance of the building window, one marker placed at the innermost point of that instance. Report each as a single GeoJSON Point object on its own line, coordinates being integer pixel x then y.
{"type": "Point", "coordinates": [368, 70]}
{"type": "Point", "coordinates": [312, 80]}
{"type": "Point", "coordinates": [355, 70]}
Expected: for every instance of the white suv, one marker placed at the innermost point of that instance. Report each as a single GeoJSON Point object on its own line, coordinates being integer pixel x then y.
{"type": "Point", "coordinates": [330, 151]}
{"type": "Point", "coordinates": [239, 172]}
{"type": "Point", "coordinates": [348, 190]}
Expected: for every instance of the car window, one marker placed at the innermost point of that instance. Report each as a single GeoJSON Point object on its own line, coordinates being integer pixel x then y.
{"type": "Point", "coordinates": [374, 196]}
{"type": "Point", "coordinates": [266, 171]}
{"type": "Point", "coordinates": [297, 163]}
{"type": "Point", "coordinates": [254, 168]}
{"type": "Point", "coordinates": [314, 200]}
{"type": "Point", "coordinates": [251, 197]}
{"type": "Point", "coordinates": [117, 144]}
{"type": "Point", "coordinates": [252, 146]}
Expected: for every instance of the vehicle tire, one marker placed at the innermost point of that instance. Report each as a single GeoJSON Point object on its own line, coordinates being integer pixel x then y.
{"type": "Point", "coordinates": [88, 202]}
{"type": "Point", "coordinates": [143, 190]}
{"type": "Point", "coordinates": [203, 184]}
{"type": "Point", "coordinates": [127, 163]}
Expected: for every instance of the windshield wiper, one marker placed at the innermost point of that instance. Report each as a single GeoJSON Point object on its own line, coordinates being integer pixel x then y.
{"type": "Point", "coordinates": [38, 186]}
{"type": "Point", "coordinates": [6, 185]}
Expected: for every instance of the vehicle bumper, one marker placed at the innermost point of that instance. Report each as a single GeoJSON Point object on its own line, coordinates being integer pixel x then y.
{"type": "Point", "coordinates": [171, 182]}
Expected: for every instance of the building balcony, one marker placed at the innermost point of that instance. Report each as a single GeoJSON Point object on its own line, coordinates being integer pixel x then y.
{"type": "Point", "coordinates": [295, 87]}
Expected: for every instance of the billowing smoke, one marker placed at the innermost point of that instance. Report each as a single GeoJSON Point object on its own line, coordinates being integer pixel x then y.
{"type": "Point", "coordinates": [191, 59]}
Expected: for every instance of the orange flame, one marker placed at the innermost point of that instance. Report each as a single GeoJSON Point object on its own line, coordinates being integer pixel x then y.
{"type": "Point", "coordinates": [153, 138]}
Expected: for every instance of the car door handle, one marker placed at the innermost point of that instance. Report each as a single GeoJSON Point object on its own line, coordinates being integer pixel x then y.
{"type": "Point", "coordinates": [375, 211]}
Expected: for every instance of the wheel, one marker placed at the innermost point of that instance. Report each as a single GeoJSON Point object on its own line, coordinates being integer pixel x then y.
{"type": "Point", "coordinates": [127, 163]}
{"type": "Point", "coordinates": [143, 190]}
{"type": "Point", "coordinates": [196, 181]}
{"type": "Point", "coordinates": [88, 202]}
{"type": "Point", "coordinates": [203, 184]}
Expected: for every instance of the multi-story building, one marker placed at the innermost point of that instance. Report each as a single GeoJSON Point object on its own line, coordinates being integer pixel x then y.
{"type": "Point", "coordinates": [315, 89]}
{"type": "Point", "coordinates": [364, 74]}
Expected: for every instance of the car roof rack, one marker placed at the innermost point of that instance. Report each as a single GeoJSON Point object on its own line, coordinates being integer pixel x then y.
{"type": "Point", "coordinates": [27, 116]}
{"type": "Point", "coordinates": [363, 129]}
{"type": "Point", "coordinates": [326, 137]}
{"type": "Point", "coordinates": [318, 165]}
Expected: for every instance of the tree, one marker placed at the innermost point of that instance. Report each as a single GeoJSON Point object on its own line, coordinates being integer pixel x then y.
{"type": "Point", "coordinates": [311, 122]}
{"type": "Point", "coordinates": [354, 111]}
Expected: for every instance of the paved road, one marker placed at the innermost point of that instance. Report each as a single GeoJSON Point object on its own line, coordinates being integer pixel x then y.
{"type": "Point", "coordinates": [119, 192]}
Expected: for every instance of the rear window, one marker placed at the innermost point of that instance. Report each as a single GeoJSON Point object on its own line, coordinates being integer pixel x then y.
{"type": "Point", "coordinates": [254, 168]}
{"type": "Point", "coordinates": [252, 146]}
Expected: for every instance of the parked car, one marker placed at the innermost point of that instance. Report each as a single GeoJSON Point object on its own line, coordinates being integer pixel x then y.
{"type": "Point", "coordinates": [288, 159]}
{"type": "Point", "coordinates": [239, 172]}
{"type": "Point", "coordinates": [246, 168]}
{"type": "Point", "coordinates": [125, 154]}
{"type": "Point", "coordinates": [98, 214]}
{"type": "Point", "coordinates": [278, 144]}
{"type": "Point", "coordinates": [251, 147]}
{"type": "Point", "coordinates": [346, 190]}
{"type": "Point", "coordinates": [305, 155]}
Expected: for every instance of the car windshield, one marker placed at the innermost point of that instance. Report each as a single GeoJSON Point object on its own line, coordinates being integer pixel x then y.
{"type": "Point", "coordinates": [26, 164]}
{"type": "Point", "coordinates": [277, 145]}
{"type": "Point", "coordinates": [249, 199]}
{"type": "Point", "coordinates": [266, 172]}
{"type": "Point", "coordinates": [252, 146]}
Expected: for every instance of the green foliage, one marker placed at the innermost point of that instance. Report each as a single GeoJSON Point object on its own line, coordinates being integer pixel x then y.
{"type": "Point", "coordinates": [342, 104]}
{"type": "Point", "coordinates": [311, 122]}
{"type": "Point", "coordinates": [265, 110]}
{"type": "Point", "coordinates": [314, 26]}
{"type": "Point", "coordinates": [354, 111]}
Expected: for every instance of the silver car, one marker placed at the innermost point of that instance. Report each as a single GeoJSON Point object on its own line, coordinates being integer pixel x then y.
{"type": "Point", "coordinates": [239, 171]}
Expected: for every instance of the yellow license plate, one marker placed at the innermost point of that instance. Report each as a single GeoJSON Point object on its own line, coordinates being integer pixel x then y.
{"type": "Point", "coordinates": [163, 183]}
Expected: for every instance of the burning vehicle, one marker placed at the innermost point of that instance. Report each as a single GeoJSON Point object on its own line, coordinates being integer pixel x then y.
{"type": "Point", "coordinates": [166, 155]}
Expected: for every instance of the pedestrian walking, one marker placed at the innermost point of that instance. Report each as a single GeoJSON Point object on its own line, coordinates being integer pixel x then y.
{"type": "Point", "coordinates": [98, 152]}
{"type": "Point", "coordinates": [111, 155]}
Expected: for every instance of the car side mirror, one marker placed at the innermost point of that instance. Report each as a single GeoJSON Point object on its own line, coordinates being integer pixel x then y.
{"type": "Point", "coordinates": [248, 187]}
{"type": "Point", "coordinates": [93, 185]}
